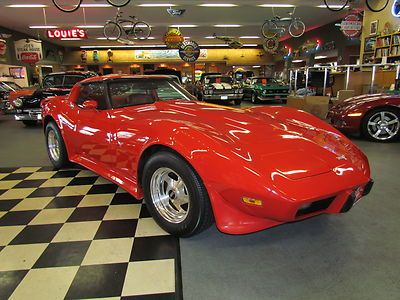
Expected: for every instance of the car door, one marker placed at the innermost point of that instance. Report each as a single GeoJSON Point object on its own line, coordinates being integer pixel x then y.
{"type": "Point", "coordinates": [94, 131]}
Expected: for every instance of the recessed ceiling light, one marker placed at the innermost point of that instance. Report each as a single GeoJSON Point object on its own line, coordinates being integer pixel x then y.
{"type": "Point", "coordinates": [255, 67]}
{"type": "Point", "coordinates": [276, 5]}
{"type": "Point", "coordinates": [95, 5]}
{"type": "Point", "coordinates": [184, 25]}
{"type": "Point", "coordinates": [27, 5]}
{"type": "Point", "coordinates": [218, 5]}
{"type": "Point", "coordinates": [297, 61]}
{"type": "Point", "coordinates": [321, 57]}
{"type": "Point", "coordinates": [227, 25]}
{"type": "Point", "coordinates": [249, 37]}
{"type": "Point", "coordinates": [332, 6]}
{"type": "Point", "coordinates": [156, 5]}
{"type": "Point", "coordinates": [90, 26]}
{"type": "Point", "coordinates": [70, 39]}
{"type": "Point", "coordinates": [43, 27]}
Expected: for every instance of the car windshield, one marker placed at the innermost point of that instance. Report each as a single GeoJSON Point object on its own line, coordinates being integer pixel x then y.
{"type": "Point", "coordinates": [218, 79]}
{"type": "Point", "coordinates": [10, 86]}
{"type": "Point", "coordinates": [137, 91]}
{"type": "Point", "coordinates": [265, 81]}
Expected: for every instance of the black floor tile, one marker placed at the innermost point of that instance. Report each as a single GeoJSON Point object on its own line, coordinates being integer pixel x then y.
{"type": "Point", "coordinates": [36, 234]}
{"type": "Point", "coordinates": [6, 205]}
{"type": "Point", "coordinates": [2, 192]}
{"type": "Point", "coordinates": [17, 176]}
{"type": "Point", "coordinates": [30, 183]}
{"type": "Point", "coordinates": [65, 174]}
{"type": "Point", "coordinates": [123, 198]}
{"type": "Point", "coordinates": [8, 170]}
{"type": "Point", "coordinates": [116, 229]}
{"type": "Point", "coordinates": [18, 217]}
{"type": "Point", "coordinates": [156, 247]}
{"type": "Point", "coordinates": [103, 189]}
{"type": "Point", "coordinates": [9, 280]}
{"type": "Point", "coordinates": [98, 281]}
{"type": "Point", "coordinates": [144, 212]}
{"type": "Point", "coordinates": [46, 169]}
{"type": "Point", "coordinates": [88, 214]}
{"type": "Point", "coordinates": [166, 296]}
{"type": "Point", "coordinates": [46, 192]}
{"type": "Point", "coordinates": [83, 180]}
{"type": "Point", "coordinates": [63, 254]}
{"type": "Point", "coordinates": [65, 202]}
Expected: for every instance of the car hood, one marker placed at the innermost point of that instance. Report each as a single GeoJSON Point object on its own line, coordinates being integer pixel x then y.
{"type": "Point", "coordinates": [257, 138]}
{"type": "Point", "coordinates": [359, 100]}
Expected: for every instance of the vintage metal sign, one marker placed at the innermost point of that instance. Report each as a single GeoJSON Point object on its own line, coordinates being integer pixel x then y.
{"type": "Point", "coordinates": [28, 51]}
{"type": "Point", "coordinates": [173, 38]}
{"type": "Point", "coordinates": [189, 51]}
{"type": "Point", "coordinates": [351, 25]}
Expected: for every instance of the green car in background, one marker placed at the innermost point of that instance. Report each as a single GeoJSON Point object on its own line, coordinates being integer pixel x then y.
{"type": "Point", "coordinates": [264, 89]}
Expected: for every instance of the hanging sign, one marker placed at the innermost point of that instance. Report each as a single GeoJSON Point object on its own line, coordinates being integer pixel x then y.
{"type": "Point", "coordinates": [66, 33]}
{"type": "Point", "coordinates": [351, 25]}
{"type": "Point", "coordinates": [3, 47]}
{"type": "Point", "coordinates": [28, 51]}
{"type": "Point", "coordinates": [189, 51]}
{"type": "Point", "coordinates": [173, 38]}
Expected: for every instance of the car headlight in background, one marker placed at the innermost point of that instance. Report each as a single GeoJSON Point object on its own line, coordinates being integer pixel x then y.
{"type": "Point", "coordinates": [18, 102]}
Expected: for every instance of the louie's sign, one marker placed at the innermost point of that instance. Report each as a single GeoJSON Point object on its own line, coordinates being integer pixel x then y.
{"type": "Point", "coordinates": [66, 33]}
{"type": "Point", "coordinates": [28, 51]}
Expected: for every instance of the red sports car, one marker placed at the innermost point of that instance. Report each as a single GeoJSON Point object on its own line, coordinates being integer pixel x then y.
{"type": "Point", "coordinates": [377, 117]}
{"type": "Point", "coordinates": [249, 169]}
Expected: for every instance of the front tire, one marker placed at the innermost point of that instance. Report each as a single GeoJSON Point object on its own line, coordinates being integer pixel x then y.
{"type": "Point", "coordinates": [175, 195]}
{"type": "Point", "coordinates": [254, 98]}
{"type": "Point", "coordinates": [55, 146]}
{"type": "Point", "coordinates": [238, 101]}
{"type": "Point", "coordinates": [29, 123]}
{"type": "Point", "coordinates": [382, 125]}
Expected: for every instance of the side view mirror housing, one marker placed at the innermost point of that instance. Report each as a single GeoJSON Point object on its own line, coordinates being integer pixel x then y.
{"type": "Point", "coordinates": [89, 104]}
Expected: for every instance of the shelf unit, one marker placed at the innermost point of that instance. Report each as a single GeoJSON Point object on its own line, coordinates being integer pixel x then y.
{"type": "Point", "coordinates": [387, 45]}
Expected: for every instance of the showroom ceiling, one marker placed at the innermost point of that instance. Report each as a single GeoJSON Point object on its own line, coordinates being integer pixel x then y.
{"type": "Point", "coordinates": [246, 14]}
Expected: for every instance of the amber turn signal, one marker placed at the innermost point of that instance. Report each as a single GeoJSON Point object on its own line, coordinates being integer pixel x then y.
{"type": "Point", "coordinates": [252, 201]}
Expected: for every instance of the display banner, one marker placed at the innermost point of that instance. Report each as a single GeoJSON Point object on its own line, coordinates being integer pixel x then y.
{"type": "Point", "coordinates": [172, 54]}
{"type": "Point", "coordinates": [28, 51]}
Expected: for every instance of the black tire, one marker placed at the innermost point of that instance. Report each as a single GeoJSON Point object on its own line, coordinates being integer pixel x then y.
{"type": "Point", "coordinates": [62, 161]}
{"type": "Point", "coordinates": [112, 31]}
{"type": "Point", "coordinates": [199, 213]}
{"type": "Point", "coordinates": [68, 8]}
{"type": "Point", "coordinates": [376, 6]}
{"type": "Point", "coordinates": [254, 98]}
{"type": "Point", "coordinates": [118, 3]}
{"type": "Point", "coordinates": [372, 117]}
{"type": "Point", "coordinates": [29, 123]}
{"type": "Point", "coordinates": [340, 6]}
{"type": "Point", "coordinates": [238, 101]}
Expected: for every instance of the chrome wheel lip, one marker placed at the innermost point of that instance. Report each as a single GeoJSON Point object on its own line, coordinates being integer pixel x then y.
{"type": "Point", "coordinates": [168, 194]}
{"type": "Point", "coordinates": [53, 145]}
{"type": "Point", "coordinates": [383, 125]}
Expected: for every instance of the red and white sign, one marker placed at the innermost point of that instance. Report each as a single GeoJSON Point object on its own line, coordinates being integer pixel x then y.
{"type": "Point", "coordinates": [3, 47]}
{"type": "Point", "coordinates": [28, 51]}
{"type": "Point", "coordinates": [351, 25]}
{"type": "Point", "coordinates": [73, 33]}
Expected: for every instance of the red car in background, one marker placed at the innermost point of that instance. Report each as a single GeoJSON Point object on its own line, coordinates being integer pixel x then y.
{"type": "Point", "coordinates": [193, 162]}
{"type": "Point", "coordinates": [376, 117]}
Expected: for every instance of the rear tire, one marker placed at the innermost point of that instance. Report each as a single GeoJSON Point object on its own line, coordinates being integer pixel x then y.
{"type": "Point", "coordinates": [55, 146]}
{"type": "Point", "coordinates": [29, 123]}
{"type": "Point", "coordinates": [175, 195]}
{"type": "Point", "coordinates": [238, 101]}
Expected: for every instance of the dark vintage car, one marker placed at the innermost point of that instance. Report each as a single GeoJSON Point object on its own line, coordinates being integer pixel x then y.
{"type": "Point", "coordinates": [7, 87]}
{"type": "Point", "coordinates": [264, 89]}
{"type": "Point", "coordinates": [27, 108]}
{"type": "Point", "coordinates": [219, 88]}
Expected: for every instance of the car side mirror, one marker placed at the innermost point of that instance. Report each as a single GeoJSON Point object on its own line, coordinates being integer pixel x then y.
{"type": "Point", "coordinates": [89, 104]}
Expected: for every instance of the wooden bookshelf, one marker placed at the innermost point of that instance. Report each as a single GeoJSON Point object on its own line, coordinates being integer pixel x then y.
{"type": "Point", "coordinates": [387, 45]}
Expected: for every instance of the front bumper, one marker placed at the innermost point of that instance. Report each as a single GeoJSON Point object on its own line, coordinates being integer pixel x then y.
{"type": "Point", "coordinates": [266, 97]}
{"type": "Point", "coordinates": [223, 97]}
{"type": "Point", "coordinates": [28, 115]}
{"type": "Point", "coordinates": [344, 123]}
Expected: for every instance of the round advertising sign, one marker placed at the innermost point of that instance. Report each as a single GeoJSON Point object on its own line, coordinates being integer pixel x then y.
{"type": "Point", "coordinates": [351, 25]}
{"type": "Point", "coordinates": [189, 51]}
{"type": "Point", "coordinates": [173, 38]}
{"type": "Point", "coordinates": [270, 45]}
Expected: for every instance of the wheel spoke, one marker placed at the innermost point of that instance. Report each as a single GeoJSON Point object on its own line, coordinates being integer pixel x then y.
{"type": "Point", "coordinates": [395, 121]}
{"type": "Point", "coordinates": [370, 123]}
{"type": "Point", "coordinates": [382, 116]}
{"type": "Point", "coordinates": [377, 133]}
{"type": "Point", "coordinates": [391, 133]}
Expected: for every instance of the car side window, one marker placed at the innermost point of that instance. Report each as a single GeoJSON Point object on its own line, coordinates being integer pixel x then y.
{"type": "Point", "coordinates": [70, 80]}
{"type": "Point", "coordinates": [53, 81]}
{"type": "Point", "coordinates": [93, 91]}
{"type": "Point", "coordinates": [131, 94]}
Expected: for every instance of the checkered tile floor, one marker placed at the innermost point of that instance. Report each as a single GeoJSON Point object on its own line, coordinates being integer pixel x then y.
{"type": "Point", "coordinates": [71, 234]}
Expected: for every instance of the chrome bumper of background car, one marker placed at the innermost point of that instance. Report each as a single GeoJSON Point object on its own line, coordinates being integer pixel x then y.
{"type": "Point", "coordinates": [28, 115]}
{"type": "Point", "coordinates": [222, 97]}
{"type": "Point", "coordinates": [272, 97]}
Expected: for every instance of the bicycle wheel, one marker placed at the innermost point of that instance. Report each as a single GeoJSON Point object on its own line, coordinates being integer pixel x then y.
{"type": "Point", "coordinates": [118, 3]}
{"type": "Point", "coordinates": [112, 31]}
{"type": "Point", "coordinates": [297, 28]}
{"type": "Point", "coordinates": [336, 5]}
{"type": "Point", "coordinates": [141, 30]}
{"type": "Point", "coordinates": [377, 5]}
{"type": "Point", "coordinates": [269, 29]}
{"type": "Point", "coordinates": [67, 5]}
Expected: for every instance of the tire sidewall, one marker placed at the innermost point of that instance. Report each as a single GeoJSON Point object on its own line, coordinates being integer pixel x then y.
{"type": "Point", "coordinates": [63, 160]}
{"type": "Point", "coordinates": [364, 125]}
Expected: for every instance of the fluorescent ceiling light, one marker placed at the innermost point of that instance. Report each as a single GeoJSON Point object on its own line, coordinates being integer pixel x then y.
{"type": "Point", "coordinates": [138, 26]}
{"type": "Point", "coordinates": [124, 46]}
{"type": "Point", "coordinates": [214, 45]}
{"type": "Point", "coordinates": [297, 60]}
{"type": "Point", "coordinates": [101, 38]}
{"type": "Point", "coordinates": [218, 5]}
{"type": "Point", "coordinates": [43, 27]}
{"type": "Point", "coordinates": [250, 45]}
{"type": "Point", "coordinates": [27, 5]}
{"type": "Point", "coordinates": [321, 57]}
{"type": "Point", "coordinates": [210, 37]}
{"type": "Point", "coordinates": [186, 37]}
{"type": "Point", "coordinates": [332, 6]}
{"type": "Point", "coordinates": [255, 67]}
{"type": "Point", "coordinates": [227, 25]}
{"type": "Point", "coordinates": [249, 37]}
{"type": "Point", "coordinates": [183, 25]}
{"type": "Point", "coordinates": [90, 26]}
{"type": "Point", "coordinates": [276, 5]}
{"type": "Point", "coordinates": [70, 39]}
{"type": "Point", "coordinates": [95, 5]}
{"type": "Point", "coordinates": [156, 5]}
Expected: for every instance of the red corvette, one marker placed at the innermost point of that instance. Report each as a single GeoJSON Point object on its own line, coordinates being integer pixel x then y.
{"type": "Point", "coordinates": [377, 117]}
{"type": "Point", "coordinates": [249, 169]}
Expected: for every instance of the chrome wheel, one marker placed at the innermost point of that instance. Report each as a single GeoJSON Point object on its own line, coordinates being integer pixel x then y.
{"type": "Point", "coordinates": [53, 145]}
{"type": "Point", "coordinates": [383, 125]}
{"type": "Point", "coordinates": [169, 195]}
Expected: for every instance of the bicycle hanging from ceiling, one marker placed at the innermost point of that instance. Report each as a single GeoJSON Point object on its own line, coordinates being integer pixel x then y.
{"type": "Point", "coordinates": [72, 5]}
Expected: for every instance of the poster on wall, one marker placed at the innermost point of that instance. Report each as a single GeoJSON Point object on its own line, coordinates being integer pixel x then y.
{"type": "Point", "coordinates": [163, 54]}
{"type": "Point", "coordinates": [28, 51]}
